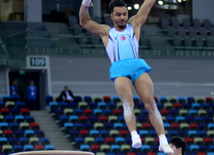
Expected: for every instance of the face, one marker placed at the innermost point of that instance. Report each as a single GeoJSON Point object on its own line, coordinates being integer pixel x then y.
{"type": "Point", "coordinates": [120, 16]}
{"type": "Point", "coordinates": [31, 83]}
{"type": "Point", "coordinates": [177, 151]}
{"type": "Point", "coordinates": [65, 88]}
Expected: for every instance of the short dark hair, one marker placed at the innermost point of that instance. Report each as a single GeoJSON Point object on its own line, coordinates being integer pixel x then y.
{"type": "Point", "coordinates": [116, 3]}
{"type": "Point", "coordinates": [178, 142]}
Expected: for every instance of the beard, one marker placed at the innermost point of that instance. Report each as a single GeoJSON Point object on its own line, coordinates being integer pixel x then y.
{"type": "Point", "coordinates": [122, 26]}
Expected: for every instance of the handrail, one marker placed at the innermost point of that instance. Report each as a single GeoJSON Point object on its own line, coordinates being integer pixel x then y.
{"type": "Point", "coordinates": [15, 34]}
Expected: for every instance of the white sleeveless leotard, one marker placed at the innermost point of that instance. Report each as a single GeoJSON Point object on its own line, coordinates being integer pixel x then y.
{"type": "Point", "coordinates": [122, 45]}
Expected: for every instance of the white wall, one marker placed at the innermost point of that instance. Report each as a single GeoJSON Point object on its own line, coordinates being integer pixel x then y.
{"type": "Point", "coordinates": [33, 10]}
{"type": "Point", "coordinates": [203, 10]}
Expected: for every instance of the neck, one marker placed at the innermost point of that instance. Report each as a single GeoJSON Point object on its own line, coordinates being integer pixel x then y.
{"type": "Point", "coordinates": [118, 28]}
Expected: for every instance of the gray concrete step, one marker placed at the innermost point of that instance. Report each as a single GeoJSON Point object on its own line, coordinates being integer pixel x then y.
{"type": "Point", "coordinates": [52, 130]}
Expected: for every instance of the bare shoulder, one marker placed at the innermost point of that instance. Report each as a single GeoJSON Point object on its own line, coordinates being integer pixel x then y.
{"type": "Point", "coordinates": [105, 35]}
{"type": "Point", "coordinates": [105, 29]}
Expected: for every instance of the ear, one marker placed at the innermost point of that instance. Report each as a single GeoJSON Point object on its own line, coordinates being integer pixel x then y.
{"type": "Point", "coordinates": [180, 150]}
{"type": "Point", "coordinates": [111, 15]}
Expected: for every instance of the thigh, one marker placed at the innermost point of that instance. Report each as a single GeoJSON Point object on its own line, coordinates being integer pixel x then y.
{"type": "Point", "coordinates": [123, 87]}
{"type": "Point", "coordinates": [144, 88]}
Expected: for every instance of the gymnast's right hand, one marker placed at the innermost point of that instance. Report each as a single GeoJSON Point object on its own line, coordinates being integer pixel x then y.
{"type": "Point", "coordinates": [87, 3]}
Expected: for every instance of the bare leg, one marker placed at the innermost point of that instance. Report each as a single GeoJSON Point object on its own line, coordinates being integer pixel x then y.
{"type": "Point", "coordinates": [123, 87]}
{"type": "Point", "coordinates": [145, 90]}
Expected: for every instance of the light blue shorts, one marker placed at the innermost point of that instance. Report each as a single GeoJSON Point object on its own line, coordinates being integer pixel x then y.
{"type": "Point", "coordinates": [131, 68]}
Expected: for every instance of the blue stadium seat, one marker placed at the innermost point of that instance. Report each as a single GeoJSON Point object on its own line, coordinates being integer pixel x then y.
{"type": "Point", "coordinates": [173, 133]}
{"type": "Point", "coordinates": [14, 111]}
{"type": "Point", "coordinates": [92, 105]}
{"type": "Point", "coordinates": [17, 148]}
{"type": "Point", "coordinates": [29, 119]}
{"type": "Point", "coordinates": [211, 148]}
{"type": "Point", "coordinates": [79, 141]}
{"type": "Point", "coordinates": [199, 120]}
{"type": "Point", "coordinates": [119, 140]}
{"type": "Point", "coordinates": [4, 125]}
{"type": "Point", "coordinates": [2, 104]}
{"type": "Point", "coordinates": [192, 133]}
{"type": "Point", "coordinates": [93, 119]}
{"type": "Point", "coordinates": [143, 133]}
{"type": "Point", "coordinates": [167, 126]}
{"type": "Point", "coordinates": [108, 126]}
{"type": "Point", "coordinates": [170, 119]}
{"type": "Point", "coordinates": [73, 134]}
{"type": "Point", "coordinates": [89, 126]}
{"type": "Point", "coordinates": [68, 126]}
{"type": "Point", "coordinates": [14, 126]}
{"type": "Point", "coordinates": [194, 148]}
{"type": "Point", "coordinates": [179, 119]}
{"type": "Point", "coordinates": [39, 133]}
{"type": "Point", "coordinates": [73, 118]}
{"type": "Point", "coordinates": [63, 119]}
{"type": "Point", "coordinates": [53, 106]}
{"type": "Point", "coordinates": [115, 148]}
{"type": "Point", "coordinates": [99, 140]}
{"type": "Point", "coordinates": [3, 140]}
{"type": "Point", "coordinates": [78, 126]}
{"type": "Point", "coordinates": [202, 133]}
{"type": "Point", "coordinates": [97, 112]}
{"type": "Point", "coordinates": [20, 104]}
{"type": "Point", "coordinates": [73, 105]}
{"type": "Point", "coordinates": [87, 99]}
{"type": "Point", "coordinates": [63, 105]}
{"type": "Point", "coordinates": [193, 112]}
{"type": "Point", "coordinates": [163, 99]}
{"type": "Point", "coordinates": [121, 119]}
{"type": "Point", "coordinates": [13, 140]}
{"type": "Point", "coordinates": [196, 106]}
{"type": "Point", "coordinates": [181, 99]}
{"type": "Point", "coordinates": [182, 133]}
{"type": "Point", "coordinates": [145, 148]}
{"type": "Point", "coordinates": [107, 112]}
{"type": "Point", "coordinates": [115, 99]}
{"type": "Point", "coordinates": [111, 105]}
{"type": "Point", "coordinates": [28, 147]}
{"type": "Point", "coordinates": [29, 133]}
{"type": "Point", "coordinates": [118, 126]}
{"type": "Point", "coordinates": [23, 141]}
{"type": "Point", "coordinates": [84, 147]}
{"type": "Point", "coordinates": [49, 147]}
{"type": "Point", "coordinates": [190, 119]}
{"type": "Point", "coordinates": [104, 133]}
{"type": "Point", "coordinates": [210, 126]}
{"type": "Point", "coordinates": [48, 98]}
{"type": "Point", "coordinates": [160, 106]}
{"type": "Point", "coordinates": [190, 100]}
{"type": "Point", "coordinates": [9, 118]}
{"type": "Point", "coordinates": [44, 141]}
{"type": "Point", "coordinates": [152, 133]}
{"type": "Point", "coordinates": [94, 133]}
{"type": "Point", "coordinates": [101, 105]}
{"type": "Point", "coordinates": [18, 133]}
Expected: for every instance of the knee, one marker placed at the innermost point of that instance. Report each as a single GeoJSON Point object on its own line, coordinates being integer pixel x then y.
{"type": "Point", "coordinates": [150, 105]}
{"type": "Point", "coordinates": [128, 105]}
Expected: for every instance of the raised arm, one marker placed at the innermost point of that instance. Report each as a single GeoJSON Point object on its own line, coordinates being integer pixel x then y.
{"type": "Point", "coordinates": [87, 23]}
{"type": "Point", "coordinates": [139, 19]}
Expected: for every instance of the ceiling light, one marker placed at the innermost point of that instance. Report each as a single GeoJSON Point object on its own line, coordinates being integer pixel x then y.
{"type": "Point", "coordinates": [160, 2]}
{"type": "Point", "coordinates": [136, 6]}
{"type": "Point", "coordinates": [129, 8]}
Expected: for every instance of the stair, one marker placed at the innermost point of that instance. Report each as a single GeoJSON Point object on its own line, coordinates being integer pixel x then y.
{"type": "Point", "coordinates": [51, 130]}
{"type": "Point", "coordinates": [61, 35]}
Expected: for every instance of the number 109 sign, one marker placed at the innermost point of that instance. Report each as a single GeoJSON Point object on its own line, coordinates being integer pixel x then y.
{"type": "Point", "coordinates": [38, 62]}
